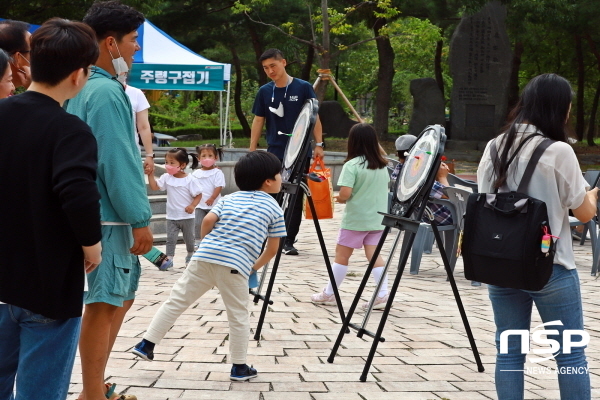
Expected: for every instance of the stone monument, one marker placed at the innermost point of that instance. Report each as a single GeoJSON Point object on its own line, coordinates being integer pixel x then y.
{"type": "Point", "coordinates": [335, 120]}
{"type": "Point", "coordinates": [480, 64]}
{"type": "Point", "coordinates": [428, 105]}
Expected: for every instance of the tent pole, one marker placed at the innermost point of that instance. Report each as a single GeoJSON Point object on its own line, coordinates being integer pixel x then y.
{"type": "Point", "coordinates": [221, 131]}
{"type": "Point", "coordinates": [226, 118]}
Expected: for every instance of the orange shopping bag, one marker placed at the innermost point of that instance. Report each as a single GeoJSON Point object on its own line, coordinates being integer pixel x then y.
{"type": "Point", "coordinates": [322, 192]}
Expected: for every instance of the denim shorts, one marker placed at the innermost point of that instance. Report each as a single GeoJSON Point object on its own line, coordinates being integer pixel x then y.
{"type": "Point", "coordinates": [356, 239]}
{"type": "Point", "coordinates": [116, 278]}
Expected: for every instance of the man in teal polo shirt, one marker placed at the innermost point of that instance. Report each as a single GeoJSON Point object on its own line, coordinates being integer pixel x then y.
{"type": "Point", "coordinates": [125, 210]}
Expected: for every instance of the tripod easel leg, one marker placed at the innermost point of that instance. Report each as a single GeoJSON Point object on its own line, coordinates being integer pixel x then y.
{"type": "Point", "coordinates": [386, 311]}
{"type": "Point", "coordinates": [461, 308]}
{"type": "Point", "coordinates": [363, 283]}
{"type": "Point", "coordinates": [325, 255]}
{"type": "Point", "coordinates": [267, 296]}
{"type": "Point", "coordinates": [378, 287]}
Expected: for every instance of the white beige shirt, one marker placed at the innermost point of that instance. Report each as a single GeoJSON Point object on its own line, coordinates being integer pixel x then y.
{"type": "Point", "coordinates": [557, 180]}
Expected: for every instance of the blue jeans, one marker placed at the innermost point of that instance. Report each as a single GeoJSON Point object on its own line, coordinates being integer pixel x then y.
{"type": "Point", "coordinates": [40, 351]}
{"type": "Point", "coordinates": [560, 300]}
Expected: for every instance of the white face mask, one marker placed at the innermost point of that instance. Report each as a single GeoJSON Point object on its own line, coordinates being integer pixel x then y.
{"type": "Point", "coordinates": [120, 66]}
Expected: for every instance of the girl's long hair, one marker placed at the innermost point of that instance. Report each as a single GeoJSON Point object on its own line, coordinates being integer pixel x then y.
{"type": "Point", "coordinates": [545, 104]}
{"type": "Point", "coordinates": [362, 141]}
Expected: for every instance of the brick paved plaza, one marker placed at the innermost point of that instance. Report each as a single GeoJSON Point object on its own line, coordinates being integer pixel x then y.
{"type": "Point", "coordinates": [426, 354]}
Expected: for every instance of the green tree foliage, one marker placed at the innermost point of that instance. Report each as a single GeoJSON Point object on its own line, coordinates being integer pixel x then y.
{"type": "Point", "coordinates": [561, 36]}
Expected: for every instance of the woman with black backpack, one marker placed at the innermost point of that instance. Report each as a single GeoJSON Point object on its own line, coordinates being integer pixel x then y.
{"type": "Point", "coordinates": [541, 113]}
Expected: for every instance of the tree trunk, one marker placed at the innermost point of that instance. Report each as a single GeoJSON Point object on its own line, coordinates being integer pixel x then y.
{"type": "Point", "coordinates": [258, 50]}
{"type": "Point", "coordinates": [307, 67]}
{"type": "Point", "coordinates": [580, 121]}
{"type": "Point", "coordinates": [513, 83]}
{"type": "Point", "coordinates": [385, 78]}
{"type": "Point", "coordinates": [237, 93]}
{"type": "Point", "coordinates": [326, 56]}
{"type": "Point", "coordinates": [592, 124]}
{"type": "Point", "coordinates": [437, 66]}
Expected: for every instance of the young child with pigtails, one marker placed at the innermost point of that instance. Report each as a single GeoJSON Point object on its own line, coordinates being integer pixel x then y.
{"type": "Point", "coordinates": [212, 181]}
{"type": "Point", "coordinates": [184, 193]}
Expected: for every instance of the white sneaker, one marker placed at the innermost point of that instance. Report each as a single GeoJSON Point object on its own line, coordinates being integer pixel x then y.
{"type": "Point", "coordinates": [379, 303]}
{"type": "Point", "coordinates": [323, 298]}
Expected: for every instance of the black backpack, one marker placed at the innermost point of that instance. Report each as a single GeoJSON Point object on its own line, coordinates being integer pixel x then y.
{"type": "Point", "coordinates": [503, 233]}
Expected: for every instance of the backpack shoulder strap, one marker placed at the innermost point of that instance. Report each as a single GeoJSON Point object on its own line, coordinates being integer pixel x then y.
{"type": "Point", "coordinates": [535, 157]}
{"type": "Point", "coordinates": [494, 152]}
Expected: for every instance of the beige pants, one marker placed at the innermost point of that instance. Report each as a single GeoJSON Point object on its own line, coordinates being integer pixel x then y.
{"type": "Point", "coordinates": [198, 278]}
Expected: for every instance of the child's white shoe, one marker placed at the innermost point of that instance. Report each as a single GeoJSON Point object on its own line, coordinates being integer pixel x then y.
{"type": "Point", "coordinates": [323, 298]}
{"type": "Point", "coordinates": [379, 303]}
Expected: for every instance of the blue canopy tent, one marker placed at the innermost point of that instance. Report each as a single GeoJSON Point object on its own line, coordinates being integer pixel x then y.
{"type": "Point", "coordinates": [165, 64]}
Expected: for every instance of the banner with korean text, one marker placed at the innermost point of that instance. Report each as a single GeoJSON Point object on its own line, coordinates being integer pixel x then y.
{"type": "Point", "coordinates": [176, 77]}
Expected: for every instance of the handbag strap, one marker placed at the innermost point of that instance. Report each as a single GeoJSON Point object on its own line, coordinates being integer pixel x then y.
{"type": "Point", "coordinates": [318, 162]}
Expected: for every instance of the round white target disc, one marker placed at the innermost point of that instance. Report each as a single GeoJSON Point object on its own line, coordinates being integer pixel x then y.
{"type": "Point", "coordinates": [418, 164]}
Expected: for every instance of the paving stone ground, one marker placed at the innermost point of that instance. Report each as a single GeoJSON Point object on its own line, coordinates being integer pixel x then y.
{"type": "Point", "coordinates": [426, 354]}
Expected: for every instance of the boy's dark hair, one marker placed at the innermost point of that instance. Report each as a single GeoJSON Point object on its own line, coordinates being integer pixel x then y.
{"type": "Point", "coordinates": [4, 60]}
{"type": "Point", "coordinates": [60, 47]}
{"type": "Point", "coordinates": [12, 36]}
{"type": "Point", "coordinates": [181, 155]}
{"type": "Point", "coordinates": [362, 141]}
{"type": "Point", "coordinates": [111, 18]}
{"type": "Point", "coordinates": [271, 53]}
{"type": "Point", "coordinates": [254, 168]}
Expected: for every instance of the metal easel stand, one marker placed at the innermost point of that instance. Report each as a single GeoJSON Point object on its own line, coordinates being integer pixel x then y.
{"type": "Point", "coordinates": [411, 227]}
{"type": "Point", "coordinates": [290, 192]}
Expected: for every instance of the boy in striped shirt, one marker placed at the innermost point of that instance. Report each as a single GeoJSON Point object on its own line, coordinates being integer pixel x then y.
{"type": "Point", "coordinates": [232, 236]}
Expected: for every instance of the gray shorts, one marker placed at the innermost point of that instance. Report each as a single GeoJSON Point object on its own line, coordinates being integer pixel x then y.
{"type": "Point", "coordinates": [116, 279]}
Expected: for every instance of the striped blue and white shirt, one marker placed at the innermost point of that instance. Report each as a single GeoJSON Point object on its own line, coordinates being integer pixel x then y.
{"type": "Point", "coordinates": [246, 219]}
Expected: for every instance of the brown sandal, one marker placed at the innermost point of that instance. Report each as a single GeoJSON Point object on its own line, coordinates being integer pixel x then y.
{"type": "Point", "coordinates": [111, 395]}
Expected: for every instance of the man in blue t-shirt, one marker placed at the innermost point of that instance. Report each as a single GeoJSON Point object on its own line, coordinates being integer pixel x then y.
{"type": "Point", "coordinates": [278, 103]}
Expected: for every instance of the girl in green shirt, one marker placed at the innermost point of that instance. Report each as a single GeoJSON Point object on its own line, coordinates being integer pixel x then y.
{"type": "Point", "coordinates": [363, 188]}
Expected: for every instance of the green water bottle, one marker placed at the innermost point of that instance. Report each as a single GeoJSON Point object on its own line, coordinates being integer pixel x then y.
{"type": "Point", "coordinates": [158, 258]}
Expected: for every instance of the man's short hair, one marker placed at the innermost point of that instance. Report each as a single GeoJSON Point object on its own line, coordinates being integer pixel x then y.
{"type": "Point", "coordinates": [111, 18]}
{"type": "Point", "coordinates": [254, 168]}
{"type": "Point", "coordinates": [12, 36]}
{"type": "Point", "coordinates": [60, 47]}
{"type": "Point", "coordinates": [271, 53]}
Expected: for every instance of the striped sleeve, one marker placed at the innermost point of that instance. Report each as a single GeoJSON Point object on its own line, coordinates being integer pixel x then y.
{"type": "Point", "coordinates": [277, 226]}
{"type": "Point", "coordinates": [218, 208]}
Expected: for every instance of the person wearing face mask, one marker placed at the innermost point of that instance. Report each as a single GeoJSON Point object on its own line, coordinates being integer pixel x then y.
{"type": "Point", "coordinates": [212, 180]}
{"type": "Point", "coordinates": [126, 212]}
{"type": "Point", "coordinates": [14, 39]}
{"type": "Point", "coordinates": [183, 195]}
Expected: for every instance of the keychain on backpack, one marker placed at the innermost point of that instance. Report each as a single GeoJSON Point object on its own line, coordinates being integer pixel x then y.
{"type": "Point", "coordinates": [547, 240]}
